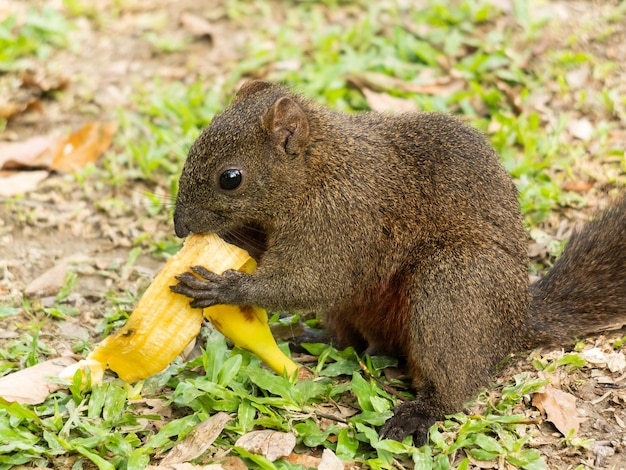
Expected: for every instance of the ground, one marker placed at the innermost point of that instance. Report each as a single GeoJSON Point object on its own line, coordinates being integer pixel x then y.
{"type": "Point", "coordinates": [89, 225]}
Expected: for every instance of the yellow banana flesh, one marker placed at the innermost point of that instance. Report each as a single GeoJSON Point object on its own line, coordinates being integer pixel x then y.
{"type": "Point", "coordinates": [163, 323]}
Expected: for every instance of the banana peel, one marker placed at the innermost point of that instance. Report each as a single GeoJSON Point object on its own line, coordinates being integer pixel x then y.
{"type": "Point", "coordinates": [163, 323]}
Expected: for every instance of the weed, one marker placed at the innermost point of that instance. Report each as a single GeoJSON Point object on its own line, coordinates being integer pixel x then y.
{"type": "Point", "coordinates": [40, 32]}
{"type": "Point", "coordinates": [112, 426]}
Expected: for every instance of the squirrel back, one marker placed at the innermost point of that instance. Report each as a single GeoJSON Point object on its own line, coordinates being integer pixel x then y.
{"type": "Point", "coordinates": [403, 230]}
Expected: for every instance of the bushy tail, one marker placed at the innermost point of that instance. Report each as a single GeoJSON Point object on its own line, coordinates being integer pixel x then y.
{"type": "Point", "coordinates": [585, 291]}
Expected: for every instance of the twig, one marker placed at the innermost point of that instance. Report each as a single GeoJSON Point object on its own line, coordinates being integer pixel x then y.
{"type": "Point", "coordinates": [382, 384]}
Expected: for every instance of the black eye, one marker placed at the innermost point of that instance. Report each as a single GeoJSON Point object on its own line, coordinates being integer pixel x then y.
{"type": "Point", "coordinates": [231, 178]}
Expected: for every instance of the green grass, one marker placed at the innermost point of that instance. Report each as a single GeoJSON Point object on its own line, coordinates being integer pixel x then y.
{"type": "Point", "coordinates": [113, 426]}
{"type": "Point", "coordinates": [105, 425]}
{"type": "Point", "coordinates": [317, 58]}
{"type": "Point", "coordinates": [37, 36]}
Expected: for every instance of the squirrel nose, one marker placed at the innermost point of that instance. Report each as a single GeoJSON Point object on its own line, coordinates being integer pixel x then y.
{"type": "Point", "coordinates": [179, 226]}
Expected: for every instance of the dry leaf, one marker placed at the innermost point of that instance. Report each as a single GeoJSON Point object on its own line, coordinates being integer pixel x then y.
{"type": "Point", "coordinates": [229, 463]}
{"type": "Point", "coordinates": [330, 461]}
{"type": "Point", "coordinates": [577, 186]}
{"type": "Point", "coordinates": [21, 182]}
{"type": "Point", "coordinates": [579, 77]}
{"type": "Point", "coordinates": [306, 460]}
{"type": "Point", "coordinates": [42, 81]}
{"type": "Point", "coordinates": [66, 154]}
{"type": "Point", "coordinates": [176, 466]}
{"type": "Point", "coordinates": [481, 463]}
{"type": "Point", "coordinates": [595, 356]}
{"type": "Point", "coordinates": [28, 153]}
{"type": "Point", "coordinates": [560, 409]}
{"type": "Point", "coordinates": [383, 102]}
{"type": "Point", "coordinates": [196, 25]}
{"type": "Point", "coordinates": [185, 466]}
{"type": "Point", "coordinates": [581, 129]}
{"type": "Point", "coordinates": [10, 109]}
{"type": "Point", "coordinates": [441, 86]}
{"type": "Point", "coordinates": [27, 93]}
{"type": "Point", "coordinates": [83, 146]}
{"type": "Point", "coordinates": [198, 440]}
{"type": "Point", "coordinates": [270, 444]}
{"type": "Point", "coordinates": [233, 463]}
{"type": "Point", "coordinates": [615, 361]}
{"type": "Point", "coordinates": [49, 282]}
{"type": "Point", "coordinates": [32, 385]}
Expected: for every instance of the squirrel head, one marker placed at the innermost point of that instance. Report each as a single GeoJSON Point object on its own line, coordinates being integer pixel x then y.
{"type": "Point", "coordinates": [245, 163]}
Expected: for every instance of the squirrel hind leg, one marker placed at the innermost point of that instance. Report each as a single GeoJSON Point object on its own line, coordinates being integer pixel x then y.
{"type": "Point", "coordinates": [461, 327]}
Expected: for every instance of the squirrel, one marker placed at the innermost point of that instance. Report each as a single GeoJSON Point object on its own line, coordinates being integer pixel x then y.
{"type": "Point", "coordinates": [403, 230]}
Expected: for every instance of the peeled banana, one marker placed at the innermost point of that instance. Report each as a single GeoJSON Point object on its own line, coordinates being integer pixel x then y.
{"type": "Point", "coordinates": [163, 323]}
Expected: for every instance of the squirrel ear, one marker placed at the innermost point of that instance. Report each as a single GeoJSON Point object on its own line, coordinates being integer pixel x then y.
{"type": "Point", "coordinates": [251, 87]}
{"type": "Point", "coordinates": [288, 125]}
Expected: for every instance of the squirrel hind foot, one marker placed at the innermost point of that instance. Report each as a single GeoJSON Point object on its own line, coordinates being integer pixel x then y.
{"type": "Point", "coordinates": [408, 419]}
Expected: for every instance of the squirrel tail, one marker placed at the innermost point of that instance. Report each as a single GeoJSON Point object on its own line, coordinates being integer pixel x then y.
{"type": "Point", "coordinates": [585, 291]}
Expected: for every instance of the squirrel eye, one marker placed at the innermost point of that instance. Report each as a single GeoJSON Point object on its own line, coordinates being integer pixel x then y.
{"type": "Point", "coordinates": [231, 178]}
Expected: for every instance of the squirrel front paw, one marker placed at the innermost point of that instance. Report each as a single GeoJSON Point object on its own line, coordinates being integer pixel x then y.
{"type": "Point", "coordinates": [207, 288]}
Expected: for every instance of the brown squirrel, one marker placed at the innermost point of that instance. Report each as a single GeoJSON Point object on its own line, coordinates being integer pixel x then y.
{"type": "Point", "coordinates": [403, 229]}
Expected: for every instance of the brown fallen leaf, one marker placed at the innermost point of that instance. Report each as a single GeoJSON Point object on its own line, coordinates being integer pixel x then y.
{"type": "Point", "coordinates": [176, 466]}
{"type": "Point", "coordinates": [441, 86]}
{"type": "Point", "coordinates": [29, 153]}
{"type": "Point", "coordinates": [83, 146]}
{"type": "Point", "coordinates": [49, 282]}
{"type": "Point", "coordinates": [581, 129]}
{"type": "Point", "coordinates": [270, 444]}
{"type": "Point", "coordinates": [382, 102]}
{"type": "Point", "coordinates": [197, 25]}
{"type": "Point", "coordinates": [186, 466]}
{"type": "Point", "coordinates": [32, 386]}
{"type": "Point", "coordinates": [577, 186]}
{"type": "Point", "coordinates": [42, 81]}
{"type": "Point", "coordinates": [198, 440]}
{"type": "Point", "coordinates": [306, 460]}
{"type": "Point", "coordinates": [20, 101]}
{"type": "Point", "coordinates": [330, 461]}
{"type": "Point", "coordinates": [29, 92]}
{"type": "Point", "coordinates": [8, 109]}
{"type": "Point", "coordinates": [233, 463]}
{"type": "Point", "coordinates": [614, 361]}
{"type": "Point", "coordinates": [65, 154]}
{"type": "Point", "coordinates": [21, 182]}
{"type": "Point", "coordinates": [229, 463]}
{"type": "Point", "coordinates": [560, 409]}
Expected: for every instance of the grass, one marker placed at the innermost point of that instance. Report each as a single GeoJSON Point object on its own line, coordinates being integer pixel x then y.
{"type": "Point", "coordinates": [37, 36]}
{"type": "Point", "coordinates": [105, 425]}
{"type": "Point", "coordinates": [317, 58]}
{"type": "Point", "coordinates": [119, 426]}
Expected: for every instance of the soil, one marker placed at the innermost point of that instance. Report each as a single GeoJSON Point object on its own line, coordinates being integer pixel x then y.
{"type": "Point", "coordinates": [73, 225]}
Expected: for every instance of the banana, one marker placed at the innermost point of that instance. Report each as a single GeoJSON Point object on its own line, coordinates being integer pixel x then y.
{"type": "Point", "coordinates": [163, 323]}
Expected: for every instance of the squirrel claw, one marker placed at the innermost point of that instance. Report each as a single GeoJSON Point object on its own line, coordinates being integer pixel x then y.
{"type": "Point", "coordinates": [191, 281]}
{"type": "Point", "coordinates": [204, 273]}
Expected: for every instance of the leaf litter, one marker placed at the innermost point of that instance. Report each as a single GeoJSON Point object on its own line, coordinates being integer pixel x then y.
{"type": "Point", "coordinates": [104, 232]}
{"type": "Point", "coordinates": [68, 153]}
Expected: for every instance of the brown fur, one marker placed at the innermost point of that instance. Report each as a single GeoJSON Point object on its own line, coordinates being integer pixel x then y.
{"type": "Point", "coordinates": [404, 230]}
